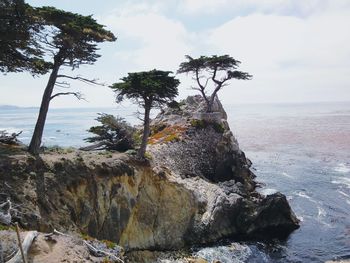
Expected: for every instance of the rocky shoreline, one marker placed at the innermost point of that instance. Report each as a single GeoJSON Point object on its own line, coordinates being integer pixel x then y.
{"type": "Point", "coordinates": [195, 189]}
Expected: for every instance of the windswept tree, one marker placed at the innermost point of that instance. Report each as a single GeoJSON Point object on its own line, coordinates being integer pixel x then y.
{"type": "Point", "coordinates": [113, 133]}
{"type": "Point", "coordinates": [19, 46]}
{"type": "Point", "coordinates": [218, 69]}
{"type": "Point", "coordinates": [71, 41]}
{"type": "Point", "coordinates": [148, 89]}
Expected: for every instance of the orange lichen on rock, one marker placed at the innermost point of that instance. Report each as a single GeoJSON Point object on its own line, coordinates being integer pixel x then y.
{"type": "Point", "coordinates": [168, 134]}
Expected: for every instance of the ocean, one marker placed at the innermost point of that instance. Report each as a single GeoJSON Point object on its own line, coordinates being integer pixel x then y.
{"type": "Point", "coordinates": [301, 150]}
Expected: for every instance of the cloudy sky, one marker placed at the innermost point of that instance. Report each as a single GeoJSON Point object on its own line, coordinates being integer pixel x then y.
{"type": "Point", "coordinates": [297, 51]}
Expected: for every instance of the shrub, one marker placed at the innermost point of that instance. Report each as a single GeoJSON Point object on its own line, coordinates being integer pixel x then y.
{"type": "Point", "coordinates": [174, 105]}
{"type": "Point", "coordinates": [114, 133]}
{"type": "Point", "coordinates": [202, 124]}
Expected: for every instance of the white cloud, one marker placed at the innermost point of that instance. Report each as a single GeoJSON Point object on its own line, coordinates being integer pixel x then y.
{"type": "Point", "coordinates": [289, 55]}
{"type": "Point", "coordinates": [296, 50]}
{"type": "Point", "coordinates": [291, 7]}
{"type": "Point", "coordinates": [161, 42]}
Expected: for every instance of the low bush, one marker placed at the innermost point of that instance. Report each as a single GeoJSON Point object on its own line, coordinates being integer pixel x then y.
{"type": "Point", "coordinates": [114, 133]}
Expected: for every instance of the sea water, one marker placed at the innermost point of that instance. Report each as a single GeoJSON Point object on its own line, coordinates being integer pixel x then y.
{"type": "Point", "coordinates": [301, 150]}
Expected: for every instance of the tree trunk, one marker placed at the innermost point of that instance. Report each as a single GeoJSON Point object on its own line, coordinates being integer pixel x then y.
{"type": "Point", "coordinates": [210, 103]}
{"type": "Point", "coordinates": [35, 143]}
{"type": "Point", "coordinates": [146, 131]}
{"type": "Point", "coordinates": [209, 106]}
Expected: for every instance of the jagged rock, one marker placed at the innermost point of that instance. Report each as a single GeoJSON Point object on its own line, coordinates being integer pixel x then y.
{"type": "Point", "coordinates": [196, 189]}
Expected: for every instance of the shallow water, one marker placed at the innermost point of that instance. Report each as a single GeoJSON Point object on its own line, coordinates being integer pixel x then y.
{"type": "Point", "coordinates": [301, 150]}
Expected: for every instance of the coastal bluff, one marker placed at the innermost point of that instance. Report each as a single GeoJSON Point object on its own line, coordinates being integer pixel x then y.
{"type": "Point", "coordinates": [195, 188]}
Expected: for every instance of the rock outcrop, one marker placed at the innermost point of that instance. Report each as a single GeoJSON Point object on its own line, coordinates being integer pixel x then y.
{"type": "Point", "coordinates": [196, 189]}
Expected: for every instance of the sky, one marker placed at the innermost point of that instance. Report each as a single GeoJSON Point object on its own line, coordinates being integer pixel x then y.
{"type": "Point", "coordinates": [296, 50]}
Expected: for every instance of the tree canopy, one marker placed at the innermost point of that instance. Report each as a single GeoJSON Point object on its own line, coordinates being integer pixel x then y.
{"type": "Point", "coordinates": [19, 46]}
{"type": "Point", "coordinates": [148, 89]}
{"type": "Point", "coordinates": [70, 40]}
{"type": "Point", "coordinates": [153, 87]}
{"type": "Point", "coordinates": [218, 69]}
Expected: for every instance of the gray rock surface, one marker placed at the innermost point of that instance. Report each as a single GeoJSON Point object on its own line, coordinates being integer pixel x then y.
{"type": "Point", "coordinates": [196, 189]}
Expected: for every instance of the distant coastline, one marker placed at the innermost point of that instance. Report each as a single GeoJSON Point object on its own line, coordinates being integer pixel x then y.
{"type": "Point", "coordinates": [13, 107]}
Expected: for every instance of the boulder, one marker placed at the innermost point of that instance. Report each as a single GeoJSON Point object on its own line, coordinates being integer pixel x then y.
{"type": "Point", "coordinates": [197, 188]}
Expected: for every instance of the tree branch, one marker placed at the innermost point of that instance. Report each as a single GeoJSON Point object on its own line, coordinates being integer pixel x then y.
{"type": "Point", "coordinates": [78, 95]}
{"type": "Point", "coordinates": [62, 84]}
{"type": "Point", "coordinates": [201, 87]}
{"type": "Point", "coordinates": [88, 81]}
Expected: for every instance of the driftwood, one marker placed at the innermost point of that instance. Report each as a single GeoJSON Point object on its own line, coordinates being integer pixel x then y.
{"type": "Point", "coordinates": [20, 244]}
{"type": "Point", "coordinates": [94, 251]}
{"type": "Point", "coordinates": [9, 139]}
{"type": "Point", "coordinates": [28, 240]}
{"type": "Point", "coordinates": [97, 146]}
{"type": "Point", "coordinates": [100, 253]}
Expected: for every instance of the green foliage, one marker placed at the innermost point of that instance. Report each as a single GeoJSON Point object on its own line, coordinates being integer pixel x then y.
{"type": "Point", "coordinates": [4, 227]}
{"type": "Point", "coordinates": [218, 69]}
{"type": "Point", "coordinates": [148, 88]}
{"type": "Point", "coordinates": [114, 132]}
{"type": "Point", "coordinates": [202, 124]}
{"type": "Point", "coordinates": [214, 64]}
{"type": "Point", "coordinates": [219, 128]}
{"type": "Point", "coordinates": [148, 156]}
{"type": "Point", "coordinates": [70, 40]}
{"type": "Point", "coordinates": [109, 244]}
{"type": "Point", "coordinates": [73, 35]}
{"type": "Point", "coordinates": [174, 105]}
{"type": "Point", "coordinates": [86, 237]}
{"type": "Point", "coordinates": [19, 46]}
{"type": "Point", "coordinates": [57, 149]}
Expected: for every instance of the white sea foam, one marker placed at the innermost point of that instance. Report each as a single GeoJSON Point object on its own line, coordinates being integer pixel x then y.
{"type": "Point", "coordinates": [304, 195]}
{"type": "Point", "coordinates": [236, 253]}
{"type": "Point", "coordinates": [342, 168]}
{"type": "Point", "coordinates": [344, 194]}
{"type": "Point", "coordinates": [341, 180]}
{"type": "Point", "coordinates": [321, 212]}
{"type": "Point", "coordinates": [268, 191]}
{"type": "Point", "coordinates": [10, 129]}
{"type": "Point", "coordinates": [287, 175]}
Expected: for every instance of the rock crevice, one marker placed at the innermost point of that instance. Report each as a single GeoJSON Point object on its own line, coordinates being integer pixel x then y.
{"type": "Point", "coordinates": [197, 188]}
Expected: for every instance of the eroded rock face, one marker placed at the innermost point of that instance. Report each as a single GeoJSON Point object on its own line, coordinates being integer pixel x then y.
{"type": "Point", "coordinates": [204, 144]}
{"type": "Point", "coordinates": [196, 189]}
{"type": "Point", "coordinates": [202, 153]}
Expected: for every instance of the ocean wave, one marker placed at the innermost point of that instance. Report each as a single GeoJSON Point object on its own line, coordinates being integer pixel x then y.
{"type": "Point", "coordinates": [344, 194]}
{"type": "Point", "coordinates": [342, 168]}
{"type": "Point", "coordinates": [10, 129]}
{"type": "Point", "coordinates": [268, 191]}
{"type": "Point", "coordinates": [236, 253]}
{"type": "Point", "coordinates": [287, 175]}
{"type": "Point", "coordinates": [304, 195]}
{"type": "Point", "coordinates": [341, 180]}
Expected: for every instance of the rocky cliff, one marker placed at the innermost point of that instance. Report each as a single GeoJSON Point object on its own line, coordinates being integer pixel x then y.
{"type": "Point", "coordinates": [195, 189]}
